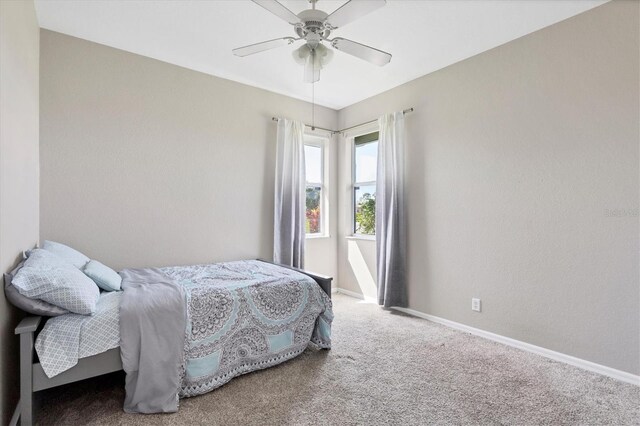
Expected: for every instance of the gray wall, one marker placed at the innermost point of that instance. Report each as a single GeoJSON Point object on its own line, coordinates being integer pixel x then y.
{"type": "Point", "coordinates": [520, 160]}
{"type": "Point", "coordinates": [523, 188]}
{"type": "Point", "coordinates": [144, 163]}
{"type": "Point", "coordinates": [19, 57]}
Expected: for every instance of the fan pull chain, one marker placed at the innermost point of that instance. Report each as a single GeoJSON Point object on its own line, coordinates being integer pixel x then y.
{"type": "Point", "coordinates": [313, 96]}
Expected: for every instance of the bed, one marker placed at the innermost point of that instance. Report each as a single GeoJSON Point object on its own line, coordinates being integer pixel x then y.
{"type": "Point", "coordinates": [240, 317]}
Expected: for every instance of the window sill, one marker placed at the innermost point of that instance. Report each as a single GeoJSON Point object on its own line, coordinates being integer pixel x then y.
{"type": "Point", "coordinates": [361, 237]}
{"type": "Point", "coordinates": [316, 236]}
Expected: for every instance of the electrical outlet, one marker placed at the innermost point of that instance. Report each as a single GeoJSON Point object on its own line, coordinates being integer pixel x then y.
{"type": "Point", "coordinates": [475, 305]}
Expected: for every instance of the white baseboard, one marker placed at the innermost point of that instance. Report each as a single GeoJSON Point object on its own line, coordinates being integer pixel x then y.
{"type": "Point", "coordinates": [356, 295]}
{"type": "Point", "coordinates": [556, 356]}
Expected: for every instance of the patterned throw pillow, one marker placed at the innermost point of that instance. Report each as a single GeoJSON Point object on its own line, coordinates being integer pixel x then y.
{"type": "Point", "coordinates": [47, 277]}
{"type": "Point", "coordinates": [32, 306]}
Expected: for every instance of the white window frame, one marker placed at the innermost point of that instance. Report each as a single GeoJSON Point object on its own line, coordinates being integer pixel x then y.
{"type": "Point", "coordinates": [352, 139]}
{"type": "Point", "coordinates": [320, 141]}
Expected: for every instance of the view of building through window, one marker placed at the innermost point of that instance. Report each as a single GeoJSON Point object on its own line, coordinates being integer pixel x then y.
{"type": "Point", "coordinates": [365, 161]}
{"type": "Point", "coordinates": [314, 164]}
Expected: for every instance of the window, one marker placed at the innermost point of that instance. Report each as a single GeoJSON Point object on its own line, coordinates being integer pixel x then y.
{"type": "Point", "coordinates": [365, 164]}
{"type": "Point", "coordinates": [314, 163]}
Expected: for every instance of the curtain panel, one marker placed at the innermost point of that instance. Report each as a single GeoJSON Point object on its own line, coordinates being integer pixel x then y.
{"type": "Point", "coordinates": [391, 235]}
{"type": "Point", "coordinates": [289, 217]}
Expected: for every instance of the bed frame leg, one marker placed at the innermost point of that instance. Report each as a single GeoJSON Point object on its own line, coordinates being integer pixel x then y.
{"type": "Point", "coordinates": [26, 330]}
{"type": "Point", "coordinates": [26, 379]}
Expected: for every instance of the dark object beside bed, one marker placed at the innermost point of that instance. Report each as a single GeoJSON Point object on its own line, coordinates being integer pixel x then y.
{"type": "Point", "coordinates": [33, 377]}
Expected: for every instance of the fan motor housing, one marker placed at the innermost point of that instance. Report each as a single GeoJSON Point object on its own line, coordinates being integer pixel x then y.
{"type": "Point", "coordinates": [313, 23]}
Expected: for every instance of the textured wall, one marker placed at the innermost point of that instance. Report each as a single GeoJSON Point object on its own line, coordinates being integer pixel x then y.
{"type": "Point", "coordinates": [523, 188]}
{"type": "Point", "coordinates": [19, 57]}
{"type": "Point", "coordinates": [147, 164]}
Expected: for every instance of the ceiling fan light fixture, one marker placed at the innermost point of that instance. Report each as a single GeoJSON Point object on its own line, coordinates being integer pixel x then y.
{"type": "Point", "coordinates": [300, 54]}
{"type": "Point", "coordinates": [313, 60]}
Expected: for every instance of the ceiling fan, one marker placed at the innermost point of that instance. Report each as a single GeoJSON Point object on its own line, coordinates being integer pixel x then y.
{"type": "Point", "coordinates": [314, 27]}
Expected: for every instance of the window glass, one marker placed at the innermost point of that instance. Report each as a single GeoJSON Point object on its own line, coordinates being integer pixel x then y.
{"type": "Point", "coordinates": [365, 162]}
{"type": "Point", "coordinates": [313, 164]}
{"type": "Point", "coordinates": [365, 209]}
{"type": "Point", "coordinates": [314, 197]}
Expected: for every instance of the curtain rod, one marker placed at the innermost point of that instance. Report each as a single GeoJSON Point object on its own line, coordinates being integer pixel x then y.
{"type": "Point", "coordinates": [405, 111]}
{"type": "Point", "coordinates": [333, 132]}
{"type": "Point", "coordinates": [313, 127]}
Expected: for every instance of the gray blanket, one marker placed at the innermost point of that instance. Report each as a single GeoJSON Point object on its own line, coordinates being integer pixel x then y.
{"type": "Point", "coordinates": [152, 335]}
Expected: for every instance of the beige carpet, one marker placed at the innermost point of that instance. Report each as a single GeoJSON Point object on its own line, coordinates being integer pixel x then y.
{"type": "Point", "coordinates": [384, 368]}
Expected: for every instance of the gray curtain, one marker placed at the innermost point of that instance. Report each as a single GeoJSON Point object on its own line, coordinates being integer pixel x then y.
{"type": "Point", "coordinates": [390, 212]}
{"type": "Point", "coordinates": [289, 218]}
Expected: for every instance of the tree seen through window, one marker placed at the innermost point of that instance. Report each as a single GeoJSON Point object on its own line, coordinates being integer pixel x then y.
{"type": "Point", "coordinates": [314, 184]}
{"type": "Point", "coordinates": [364, 187]}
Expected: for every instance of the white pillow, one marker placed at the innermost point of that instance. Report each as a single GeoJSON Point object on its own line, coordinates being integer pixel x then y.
{"type": "Point", "coordinates": [72, 256]}
{"type": "Point", "coordinates": [47, 277]}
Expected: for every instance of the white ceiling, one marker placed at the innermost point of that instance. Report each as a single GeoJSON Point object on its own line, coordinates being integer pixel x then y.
{"type": "Point", "coordinates": [422, 35]}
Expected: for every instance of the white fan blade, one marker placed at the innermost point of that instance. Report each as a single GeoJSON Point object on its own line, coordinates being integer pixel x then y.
{"type": "Point", "coordinates": [260, 47]}
{"type": "Point", "coordinates": [361, 51]}
{"type": "Point", "coordinates": [352, 10]}
{"type": "Point", "coordinates": [279, 10]}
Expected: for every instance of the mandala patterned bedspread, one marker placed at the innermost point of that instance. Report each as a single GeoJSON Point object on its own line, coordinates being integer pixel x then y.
{"type": "Point", "coordinates": [241, 316]}
{"type": "Point", "coordinates": [245, 316]}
